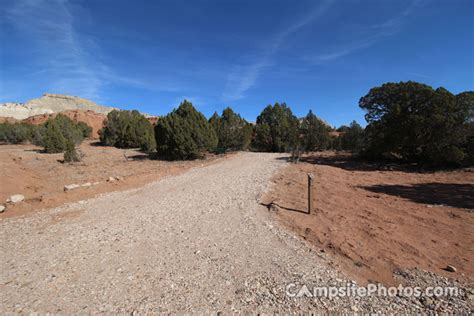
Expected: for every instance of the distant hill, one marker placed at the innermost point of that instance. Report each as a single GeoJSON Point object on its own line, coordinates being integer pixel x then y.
{"type": "Point", "coordinates": [39, 110]}
{"type": "Point", "coordinates": [91, 118]}
{"type": "Point", "coordinates": [50, 103]}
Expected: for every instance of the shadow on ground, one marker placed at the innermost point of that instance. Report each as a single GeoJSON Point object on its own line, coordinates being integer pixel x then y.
{"type": "Point", "coordinates": [271, 204]}
{"type": "Point", "coordinates": [450, 194]}
{"type": "Point", "coordinates": [347, 162]}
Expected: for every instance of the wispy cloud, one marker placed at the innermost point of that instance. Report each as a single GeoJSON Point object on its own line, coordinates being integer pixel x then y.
{"type": "Point", "coordinates": [374, 34]}
{"type": "Point", "coordinates": [64, 59]}
{"type": "Point", "coordinates": [241, 78]}
{"type": "Point", "coordinates": [48, 27]}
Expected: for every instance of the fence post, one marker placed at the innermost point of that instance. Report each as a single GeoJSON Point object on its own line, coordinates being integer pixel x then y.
{"type": "Point", "coordinates": [310, 192]}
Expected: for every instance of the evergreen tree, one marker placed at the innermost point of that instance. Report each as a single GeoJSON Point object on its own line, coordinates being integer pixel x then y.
{"type": "Point", "coordinates": [233, 132]}
{"type": "Point", "coordinates": [315, 133]}
{"type": "Point", "coordinates": [277, 129]}
{"type": "Point", "coordinates": [54, 140]}
{"type": "Point", "coordinates": [417, 123]}
{"type": "Point", "coordinates": [353, 138]}
{"type": "Point", "coordinates": [128, 129]}
{"type": "Point", "coordinates": [184, 134]}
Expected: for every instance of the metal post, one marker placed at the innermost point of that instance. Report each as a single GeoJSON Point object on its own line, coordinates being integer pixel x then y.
{"type": "Point", "coordinates": [310, 192]}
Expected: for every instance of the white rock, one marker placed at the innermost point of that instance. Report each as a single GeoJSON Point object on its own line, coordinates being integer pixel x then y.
{"type": "Point", "coordinates": [17, 198]}
{"type": "Point", "coordinates": [2, 208]}
{"type": "Point", "coordinates": [87, 184]}
{"type": "Point", "coordinates": [111, 179]}
{"type": "Point", "coordinates": [70, 187]}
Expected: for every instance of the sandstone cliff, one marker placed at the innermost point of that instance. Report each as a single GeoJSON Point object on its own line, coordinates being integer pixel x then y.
{"type": "Point", "coordinates": [50, 103]}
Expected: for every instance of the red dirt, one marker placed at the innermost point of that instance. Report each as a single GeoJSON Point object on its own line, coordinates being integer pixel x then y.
{"type": "Point", "coordinates": [6, 119]}
{"type": "Point", "coordinates": [375, 222]}
{"type": "Point", "coordinates": [41, 177]}
{"type": "Point", "coordinates": [153, 119]}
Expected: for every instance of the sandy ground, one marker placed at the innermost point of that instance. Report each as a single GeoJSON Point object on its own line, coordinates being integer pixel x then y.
{"type": "Point", "coordinates": [377, 222]}
{"type": "Point", "coordinates": [197, 242]}
{"type": "Point", "coordinates": [41, 177]}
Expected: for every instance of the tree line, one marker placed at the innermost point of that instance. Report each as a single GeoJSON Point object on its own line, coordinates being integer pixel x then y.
{"type": "Point", "coordinates": [406, 121]}
{"type": "Point", "coordinates": [59, 134]}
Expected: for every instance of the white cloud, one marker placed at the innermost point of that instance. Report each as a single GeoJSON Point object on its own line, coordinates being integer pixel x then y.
{"type": "Point", "coordinates": [47, 26]}
{"type": "Point", "coordinates": [63, 59]}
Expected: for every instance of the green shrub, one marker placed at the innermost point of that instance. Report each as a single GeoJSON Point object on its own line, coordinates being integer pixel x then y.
{"type": "Point", "coordinates": [184, 134]}
{"type": "Point", "coordinates": [53, 139]}
{"type": "Point", "coordinates": [277, 129]}
{"type": "Point", "coordinates": [128, 129]}
{"type": "Point", "coordinates": [352, 138]}
{"type": "Point", "coordinates": [70, 154]}
{"type": "Point", "coordinates": [16, 133]}
{"type": "Point", "coordinates": [55, 134]}
{"type": "Point", "coordinates": [233, 132]}
{"type": "Point", "coordinates": [335, 142]}
{"type": "Point", "coordinates": [85, 129]}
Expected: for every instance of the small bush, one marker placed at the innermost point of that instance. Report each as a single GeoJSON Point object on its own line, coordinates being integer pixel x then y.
{"type": "Point", "coordinates": [54, 141]}
{"type": "Point", "coordinates": [16, 133]}
{"type": "Point", "coordinates": [85, 129]}
{"type": "Point", "coordinates": [128, 129]}
{"type": "Point", "coordinates": [55, 134]}
{"type": "Point", "coordinates": [71, 155]}
{"type": "Point", "coordinates": [184, 133]}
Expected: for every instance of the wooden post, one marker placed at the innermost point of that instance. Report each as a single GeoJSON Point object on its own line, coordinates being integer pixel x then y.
{"type": "Point", "coordinates": [310, 192]}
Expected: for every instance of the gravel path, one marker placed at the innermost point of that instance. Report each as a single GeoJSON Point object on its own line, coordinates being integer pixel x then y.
{"type": "Point", "coordinates": [197, 242]}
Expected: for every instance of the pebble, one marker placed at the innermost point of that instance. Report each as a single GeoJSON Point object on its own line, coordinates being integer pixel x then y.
{"type": "Point", "coordinates": [159, 249]}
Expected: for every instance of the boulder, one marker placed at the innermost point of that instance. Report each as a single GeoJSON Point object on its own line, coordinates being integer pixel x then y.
{"type": "Point", "coordinates": [2, 208]}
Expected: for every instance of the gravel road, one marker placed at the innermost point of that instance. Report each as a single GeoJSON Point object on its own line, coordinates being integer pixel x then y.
{"type": "Point", "coordinates": [197, 242]}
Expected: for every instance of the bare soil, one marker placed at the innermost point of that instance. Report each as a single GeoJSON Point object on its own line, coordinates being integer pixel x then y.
{"type": "Point", "coordinates": [198, 242]}
{"type": "Point", "coordinates": [41, 177]}
{"type": "Point", "coordinates": [377, 222]}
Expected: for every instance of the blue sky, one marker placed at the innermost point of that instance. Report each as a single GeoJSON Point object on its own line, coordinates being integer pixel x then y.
{"type": "Point", "coordinates": [150, 55]}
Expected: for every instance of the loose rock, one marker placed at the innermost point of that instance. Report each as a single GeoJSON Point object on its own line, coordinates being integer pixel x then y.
{"type": "Point", "coordinates": [70, 187]}
{"type": "Point", "coordinates": [17, 198]}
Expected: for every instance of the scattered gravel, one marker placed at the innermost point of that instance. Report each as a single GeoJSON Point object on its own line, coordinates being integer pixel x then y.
{"type": "Point", "coordinates": [198, 242]}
